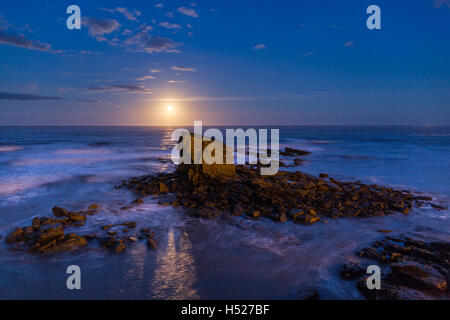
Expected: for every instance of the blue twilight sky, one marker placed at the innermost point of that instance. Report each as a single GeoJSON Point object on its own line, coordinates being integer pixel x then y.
{"type": "Point", "coordinates": [225, 62]}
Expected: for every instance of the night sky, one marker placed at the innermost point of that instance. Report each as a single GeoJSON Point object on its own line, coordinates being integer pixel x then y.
{"type": "Point", "coordinates": [225, 62]}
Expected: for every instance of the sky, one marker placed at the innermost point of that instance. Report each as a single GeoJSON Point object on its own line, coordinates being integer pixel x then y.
{"type": "Point", "coordinates": [225, 62]}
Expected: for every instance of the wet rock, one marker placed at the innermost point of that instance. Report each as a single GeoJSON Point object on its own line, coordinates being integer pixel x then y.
{"type": "Point", "coordinates": [419, 276]}
{"type": "Point", "coordinates": [107, 242]}
{"type": "Point", "coordinates": [138, 201]}
{"type": "Point", "coordinates": [411, 269]}
{"type": "Point", "coordinates": [36, 222]}
{"type": "Point", "coordinates": [151, 243]}
{"type": "Point", "coordinates": [351, 271]}
{"type": "Point", "coordinates": [130, 225]}
{"type": "Point", "coordinates": [15, 235]}
{"type": "Point", "coordinates": [163, 188]}
{"type": "Point", "coordinates": [120, 248]}
{"type": "Point", "coordinates": [50, 234]}
{"type": "Point", "coordinates": [290, 152]}
{"type": "Point", "coordinates": [384, 231]}
{"type": "Point", "coordinates": [308, 293]}
{"type": "Point", "coordinates": [59, 212]}
{"type": "Point", "coordinates": [94, 207]}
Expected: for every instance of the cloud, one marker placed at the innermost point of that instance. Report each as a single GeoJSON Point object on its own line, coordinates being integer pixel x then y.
{"type": "Point", "coordinates": [127, 13]}
{"type": "Point", "coordinates": [120, 88]}
{"type": "Point", "coordinates": [259, 46]}
{"type": "Point", "coordinates": [283, 97]}
{"type": "Point", "coordinates": [177, 81]}
{"type": "Point", "coordinates": [309, 53]}
{"type": "Point", "coordinates": [179, 68]}
{"type": "Point", "coordinates": [34, 97]}
{"type": "Point", "coordinates": [146, 78]}
{"type": "Point", "coordinates": [188, 12]}
{"type": "Point", "coordinates": [159, 5]}
{"type": "Point", "coordinates": [159, 44]}
{"type": "Point", "coordinates": [349, 44]}
{"type": "Point", "coordinates": [169, 25]}
{"type": "Point", "coordinates": [100, 27]}
{"type": "Point", "coordinates": [144, 42]}
{"type": "Point", "coordinates": [19, 40]}
{"type": "Point", "coordinates": [130, 16]}
{"type": "Point", "coordinates": [155, 71]}
{"type": "Point", "coordinates": [441, 3]}
{"type": "Point", "coordinates": [26, 97]}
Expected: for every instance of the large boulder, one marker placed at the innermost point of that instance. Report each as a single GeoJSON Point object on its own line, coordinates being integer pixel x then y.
{"type": "Point", "coordinates": [193, 172]}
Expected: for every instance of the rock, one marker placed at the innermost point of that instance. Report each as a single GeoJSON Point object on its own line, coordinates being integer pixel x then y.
{"type": "Point", "coordinates": [384, 231]}
{"type": "Point", "coordinates": [151, 243]}
{"type": "Point", "coordinates": [308, 293]}
{"type": "Point", "coordinates": [163, 188]}
{"type": "Point", "coordinates": [107, 227]}
{"type": "Point", "coordinates": [93, 207]}
{"type": "Point", "coordinates": [15, 235]}
{"type": "Point", "coordinates": [351, 271]}
{"type": "Point", "coordinates": [36, 222]}
{"type": "Point", "coordinates": [112, 233]}
{"type": "Point", "coordinates": [139, 201]}
{"type": "Point", "coordinates": [419, 276]}
{"type": "Point", "coordinates": [120, 248]}
{"type": "Point", "coordinates": [107, 242]}
{"type": "Point", "coordinates": [50, 235]}
{"type": "Point", "coordinates": [417, 269]}
{"type": "Point", "coordinates": [131, 225]}
{"type": "Point", "coordinates": [76, 217]}
{"type": "Point", "coordinates": [59, 212]}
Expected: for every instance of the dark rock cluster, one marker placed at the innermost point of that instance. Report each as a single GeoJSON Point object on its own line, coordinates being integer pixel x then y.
{"type": "Point", "coordinates": [241, 190]}
{"type": "Point", "coordinates": [411, 269]}
{"type": "Point", "coordinates": [48, 234]}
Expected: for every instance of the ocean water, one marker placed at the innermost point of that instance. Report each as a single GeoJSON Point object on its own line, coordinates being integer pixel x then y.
{"type": "Point", "coordinates": [73, 167]}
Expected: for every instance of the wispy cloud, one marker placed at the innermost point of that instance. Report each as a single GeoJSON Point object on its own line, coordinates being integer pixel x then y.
{"type": "Point", "coordinates": [130, 16]}
{"type": "Point", "coordinates": [349, 44]}
{"type": "Point", "coordinates": [127, 13]}
{"type": "Point", "coordinates": [185, 69]}
{"type": "Point", "coordinates": [34, 97]}
{"type": "Point", "coordinates": [441, 3]}
{"type": "Point", "coordinates": [188, 12]}
{"type": "Point", "coordinates": [169, 25]}
{"type": "Point", "coordinates": [19, 40]}
{"type": "Point", "coordinates": [282, 97]}
{"type": "Point", "coordinates": [259, 46]}
{"type": "Point", "coordinates": [26, 97]}
{"type": "Point", "coordinates": [144, 42]}
{"type": "Point", "coordinates": [159, 5]}
{"type": "Point", "coordinates": [145, 78]}
{"type": "Point", "coordinates": [99, 27]}
{"type": "Point", "coordinates": [120, 88]}
{"type": "Point", "coordinates": [177, 81]}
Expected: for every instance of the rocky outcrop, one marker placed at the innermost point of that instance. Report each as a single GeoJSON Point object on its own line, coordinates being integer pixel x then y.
{"type": "Point", "coordinates": [411, 269]}
{"type": "Point", "coordinates": [49, 235]}
{"type": "Point", "coordinates": [286, 196]}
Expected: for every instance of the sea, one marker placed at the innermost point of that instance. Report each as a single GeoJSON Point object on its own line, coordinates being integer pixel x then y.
{"type": "Point", "coordinates": [73, 167]}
